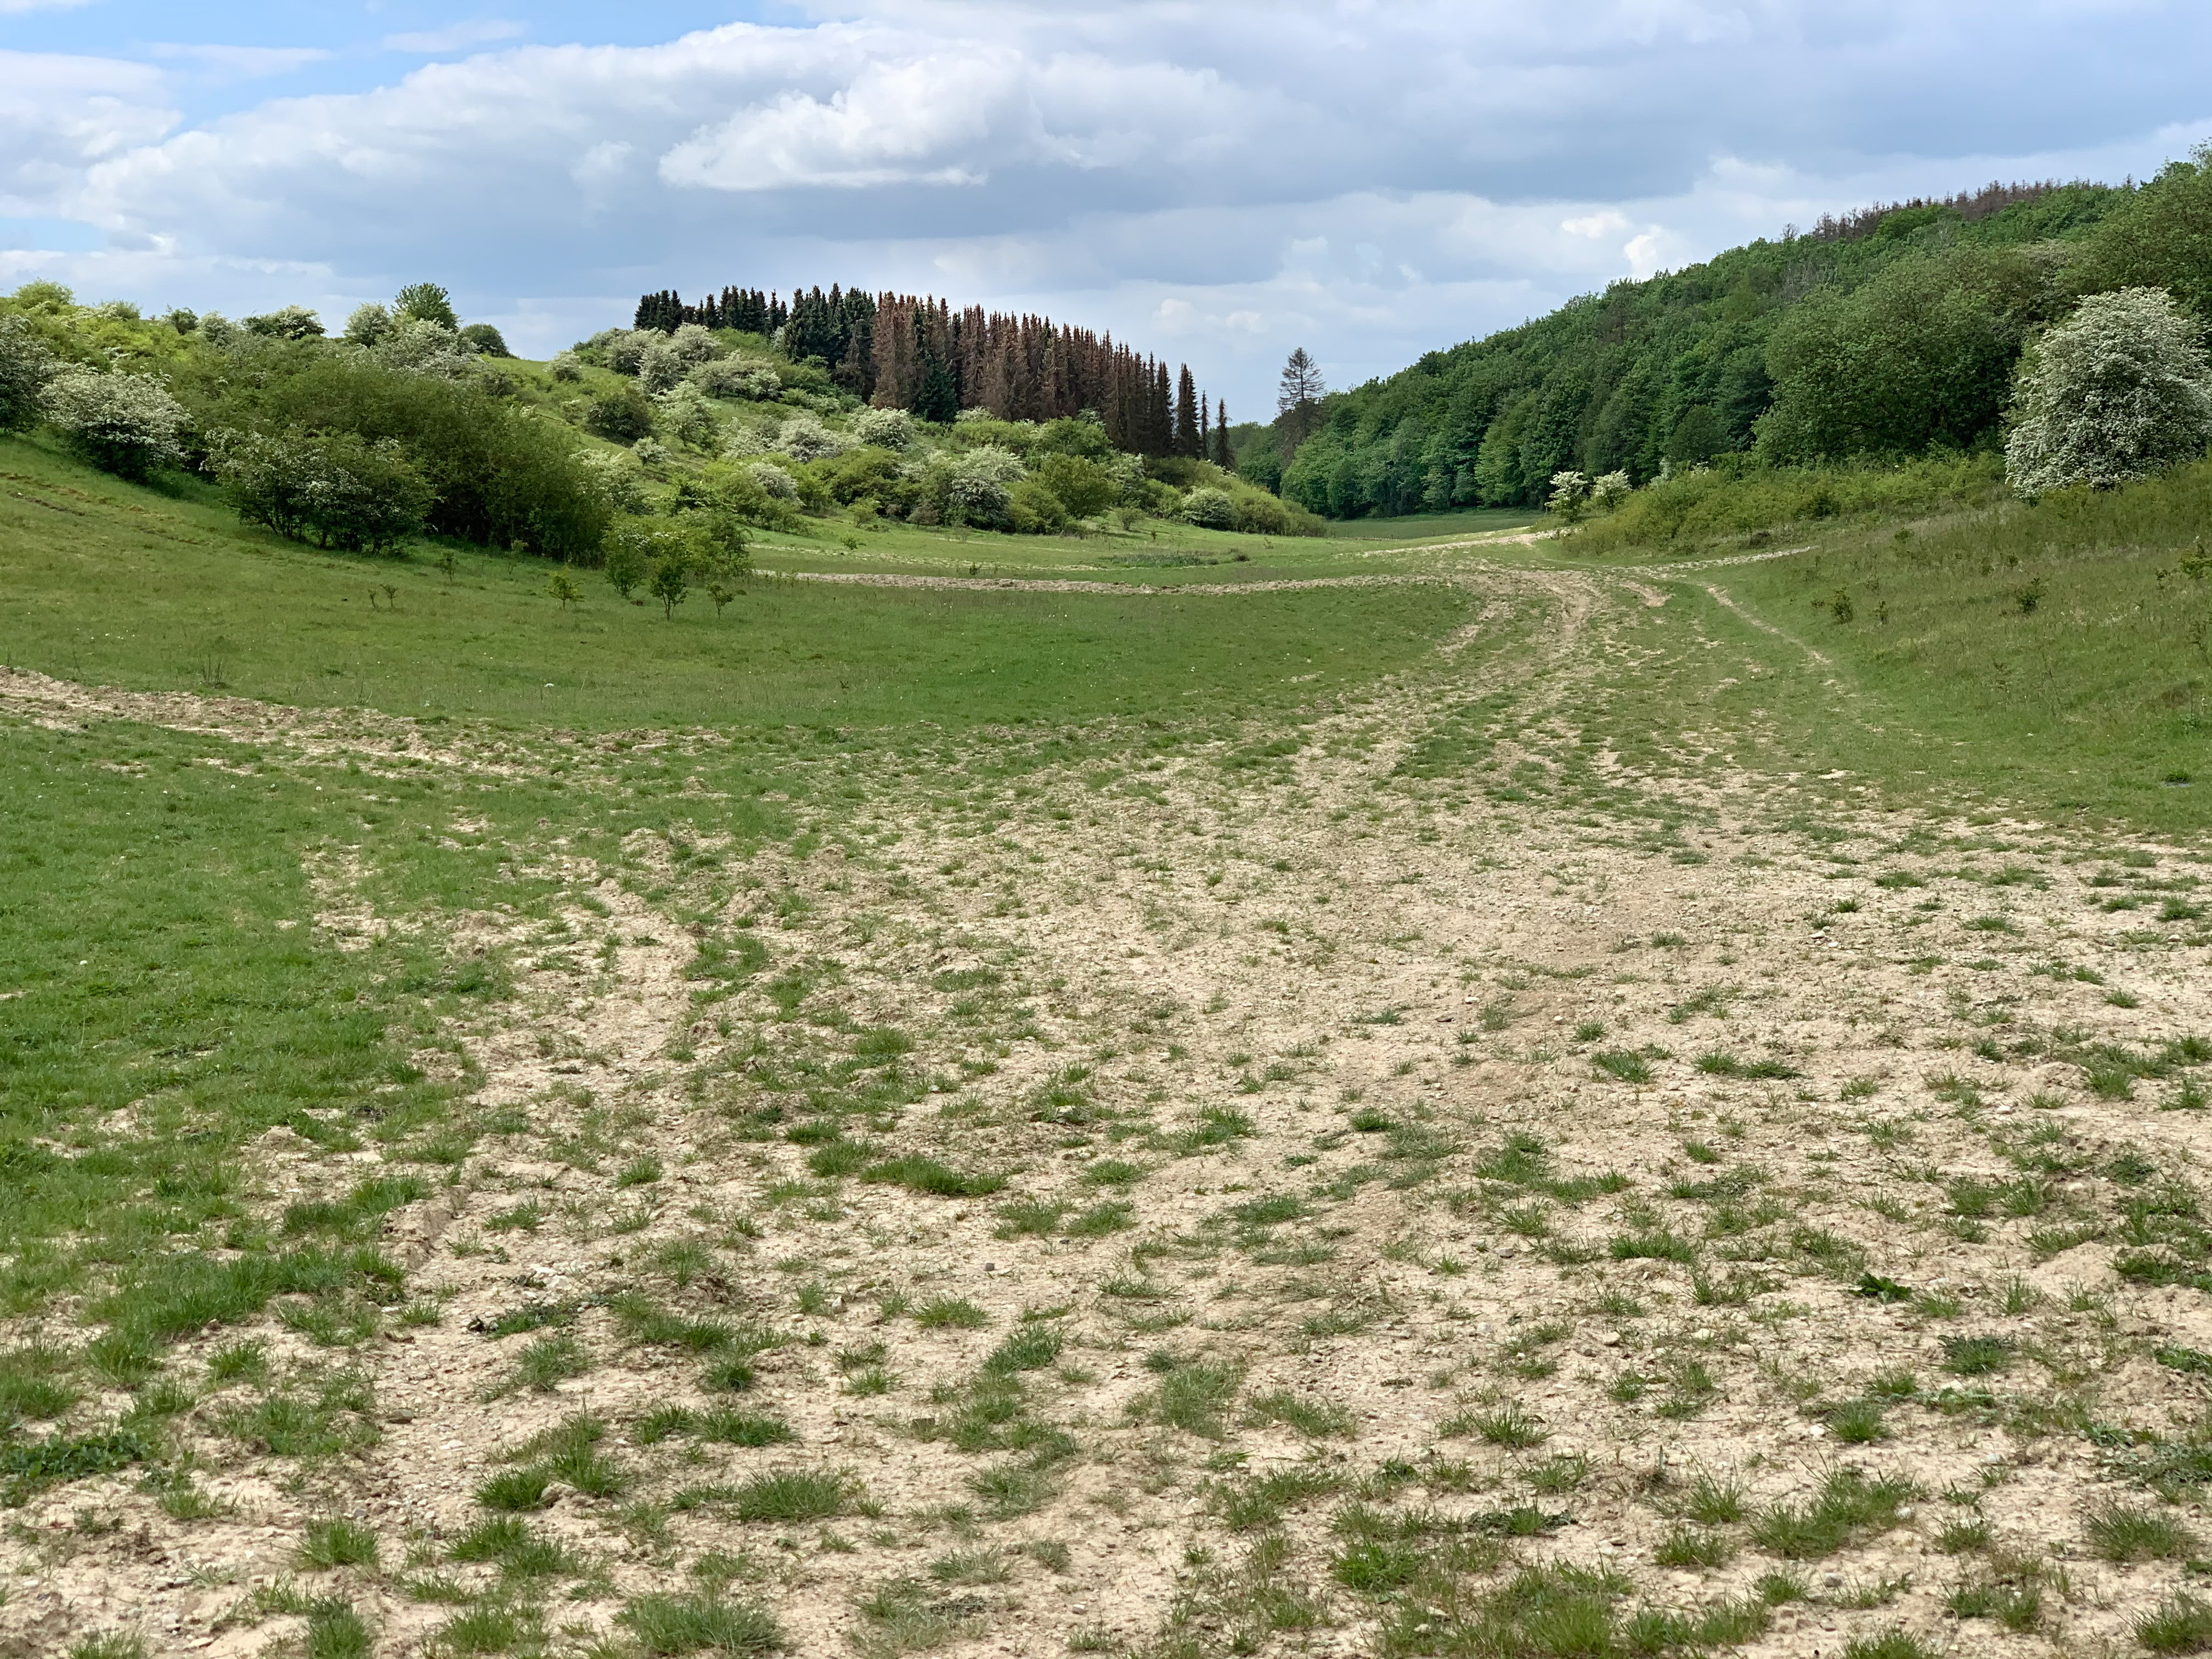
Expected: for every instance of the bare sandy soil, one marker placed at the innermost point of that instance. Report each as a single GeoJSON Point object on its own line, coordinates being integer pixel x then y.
{"type": "Point", "coordinates": [1403, 1186]}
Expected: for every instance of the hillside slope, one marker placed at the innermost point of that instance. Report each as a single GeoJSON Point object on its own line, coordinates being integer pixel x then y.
{"type": "Point", "coordinates": [1889, 334]}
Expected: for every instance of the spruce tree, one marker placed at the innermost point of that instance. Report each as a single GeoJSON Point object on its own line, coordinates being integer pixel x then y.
{"type": "Point", "coordinates": [1224, 453]}
{"type": "Point", "coordinates": [1185, 440]}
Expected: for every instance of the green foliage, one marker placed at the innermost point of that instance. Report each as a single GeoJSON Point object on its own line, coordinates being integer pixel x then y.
{"type": "Point", "coordinates": [2181, 1625]}
{"type": "Point", "coordinates": [790, 1495]}
{"type": "Point", "coordinates": [337, 1543]}
{"type": "Point", "coordinates": [1847, 1506]}
{"type": "Point", "coordinates": [25, 364]}
{"type": "Point", "coordinates": [1676, 370]}
{"type": "Point", "coordinates": [620, 414]}
{"type": "Point", "coordinates": [345, 492]}
{"type": "Point", "coordinates": [2156, 238]}
{"type": "Point", "coordinates": [497, 476]}
{"type": "Point", "coordinates": [426, 302]}
{"type": "Point", "coordinates": [1919, 357]}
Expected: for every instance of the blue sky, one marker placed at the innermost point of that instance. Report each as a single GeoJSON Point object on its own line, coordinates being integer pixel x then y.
{"type": "Point", "coordinates": [1218, 181]}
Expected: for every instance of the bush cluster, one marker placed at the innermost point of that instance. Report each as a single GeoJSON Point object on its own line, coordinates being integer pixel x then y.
{"type": "Point", "coordinates": [360, 496]}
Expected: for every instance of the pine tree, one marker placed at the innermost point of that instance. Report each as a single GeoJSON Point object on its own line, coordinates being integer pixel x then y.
{"type": "Point", "coordinates": [1224, 453]}
{"type": "Point", "coordinates": [1185, 440]}
{"type": "Point", "coordinates": [1297, 404]}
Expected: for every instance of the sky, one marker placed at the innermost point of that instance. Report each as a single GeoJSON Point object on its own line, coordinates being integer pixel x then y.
{"type": "Point", "coordinates": [1217, 181]}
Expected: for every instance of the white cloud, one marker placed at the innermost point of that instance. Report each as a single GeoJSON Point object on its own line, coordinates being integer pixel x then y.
{"type": "Point", "coordinates": [59, 115]}
{"type": "Point", "coordinates": [458, 37]}
{"type": "Point", "coordinates": [1596, 225]}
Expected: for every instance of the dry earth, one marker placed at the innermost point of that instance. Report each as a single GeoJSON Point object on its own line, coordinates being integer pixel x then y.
{"type": "Point", "coordinates": [1370, 1228]}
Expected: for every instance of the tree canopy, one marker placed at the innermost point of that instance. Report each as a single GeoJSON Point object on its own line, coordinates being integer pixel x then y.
{"type": "Point", "coordinates": [1888, 332]}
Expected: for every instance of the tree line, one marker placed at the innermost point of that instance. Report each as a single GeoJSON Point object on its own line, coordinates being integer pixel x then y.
{"type": "Point", "coordinates": [918, 353]}
{"type": "Point", "coordinates": [1888, 333]}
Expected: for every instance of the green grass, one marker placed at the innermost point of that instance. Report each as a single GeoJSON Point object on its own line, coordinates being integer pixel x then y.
{"type": "Point", "coordinates": [2090, 707]}
{"type": "Point", "coordinates": [1847, 1506]}
{"type": "Point", "coordinates": [666, 1625]}
{"type": "Point", "coordinates": [2120, 1533]}
{"type": "Point", "coordinates": [950, 1313]}
{"type": "Point", "coordinates": [792, 1495]}
{"type": "Point", "coordinates": [337, 1543]}
{"type": "Point", "coordinates": [152, 911]}
{"type": "Point", "coordinates": [125, 587]}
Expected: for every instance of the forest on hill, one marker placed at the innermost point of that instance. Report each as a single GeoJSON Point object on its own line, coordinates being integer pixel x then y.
{"type": "Point", "coordinates": [920, 354]}
{"type": "Point", "coordinates": [1890, 333]}
{"type": "Point", "coordinates": [654, 450]}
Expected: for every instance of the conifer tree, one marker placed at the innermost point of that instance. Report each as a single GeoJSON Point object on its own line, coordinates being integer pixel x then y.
{"type": "Point", "coordinates": [1224, 453]}
{"type": "Point", "coordinates": [1298, 402]}
{"type": "Point", "coordinates": [1185, 440]}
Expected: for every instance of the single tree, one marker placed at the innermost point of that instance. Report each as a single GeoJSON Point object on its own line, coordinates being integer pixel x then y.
{"type": "Point", "coordinates": [1224, 453]}
{"type": "Point", "coordinates": [426, 302]}
{"type": "Point", "coordinates": [1186, 414]}
{"type": "Point", "coordinates": [1299, 400]}
{"type": "Point", "coordinates": [2118, 390]}
{"type": "Point", "coordinates": [671, 580]}
{"type": "Point", "coordinates": [626, 553]}
{"type": "Point", "coordinates": [563, 588]}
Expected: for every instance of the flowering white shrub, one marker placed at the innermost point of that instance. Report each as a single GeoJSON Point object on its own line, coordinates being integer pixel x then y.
{"type": "Point", "coordinates": [803, 438]}
{"type": "Point", "coordinates": [127, 424]}
{"type": "Point", "coordinates": [1611, 490]}
{"type": "Point", "coordinates": [1209, 509]}
{"type": "Point", "coordinates": [418, 347]}
{"type": "Point", "coordinates": [2118, 390]}
{"type": "Point", "coordinates": [622, 348]}
{"type": "Point", "coordinates": [694, 345]}
{"type": "Point", "coordinates": [689, 414]}
{"type": "Point", "coordinates": [731, 377]}
{"type": "Point", "coordinates": [886, 429]}
{"type": "Point", "coordinates": [616, 477]}
{"type": "Point", "coordinates": [658, 367]}
{"type": "Point", "coordinates": [773, 480]}
{"type": "Point", "coordinates": [1571, 492]}
{"type": "Point", "coordinates": [978, 483]}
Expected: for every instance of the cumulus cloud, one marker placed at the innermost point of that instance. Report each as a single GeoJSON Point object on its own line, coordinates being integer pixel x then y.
{"type": "Point", "coordinates": [60, 115]}
{"type": "Point", "coordinates": [1373, 180]}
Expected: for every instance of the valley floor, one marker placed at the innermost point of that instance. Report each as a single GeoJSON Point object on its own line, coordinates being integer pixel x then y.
{"type": "Point", "coordinates": [1299, 1199]}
